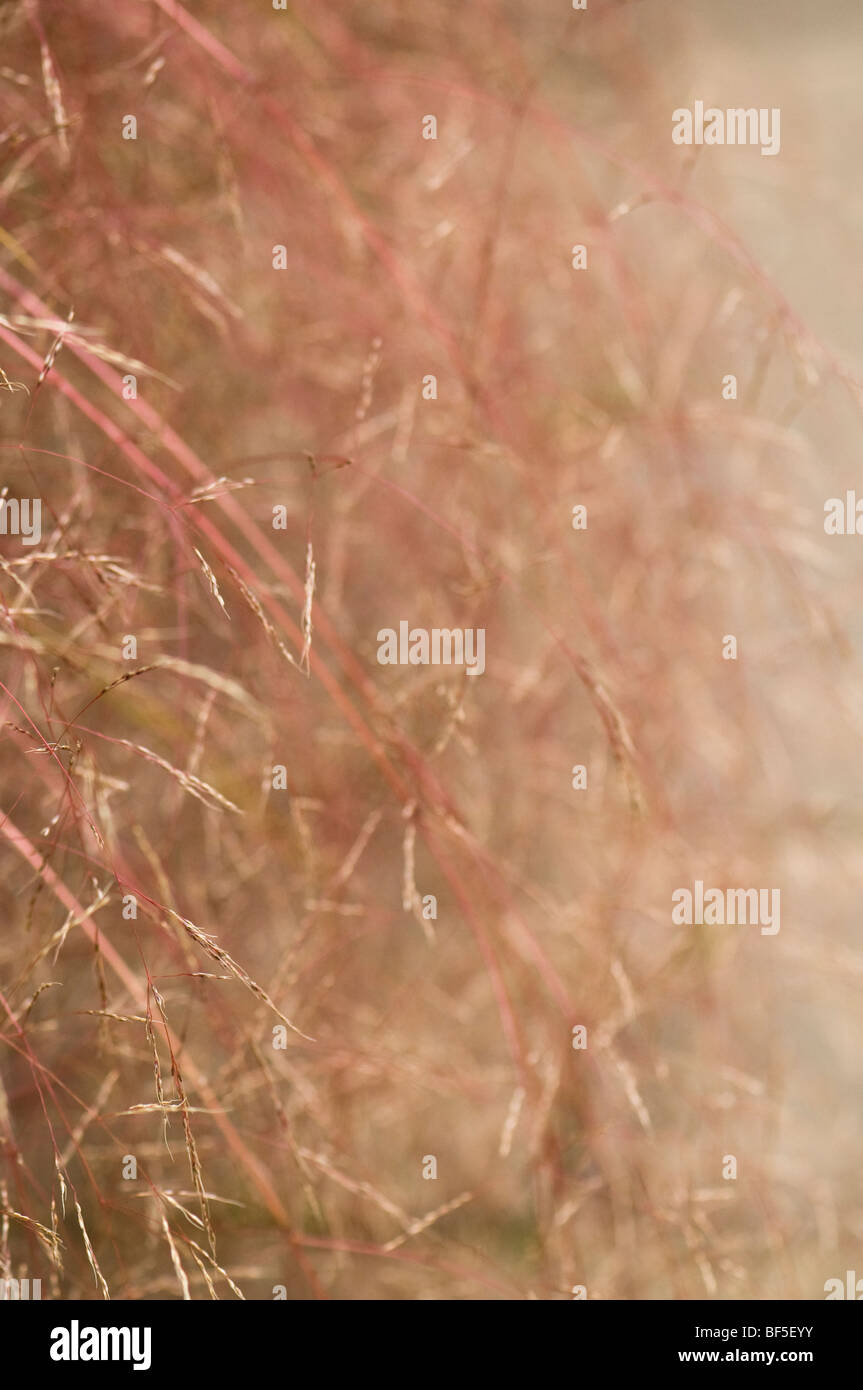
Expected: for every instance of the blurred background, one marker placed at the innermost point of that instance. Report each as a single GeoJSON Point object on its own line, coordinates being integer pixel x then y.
{"type": "Point", "coordinates": [196, 389]}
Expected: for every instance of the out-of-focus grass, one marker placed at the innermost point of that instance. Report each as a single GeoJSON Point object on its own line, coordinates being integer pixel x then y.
{"type": "Point", "coordinates": [555, 387]}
